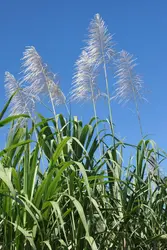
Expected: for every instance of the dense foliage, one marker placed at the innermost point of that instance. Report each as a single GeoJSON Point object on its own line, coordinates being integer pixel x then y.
{"type": "Point", "coordinates": [81, 200]}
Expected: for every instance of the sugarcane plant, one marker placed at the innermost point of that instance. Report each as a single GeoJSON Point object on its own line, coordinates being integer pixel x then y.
{"type": "Point", "coordinates": [65, 184]}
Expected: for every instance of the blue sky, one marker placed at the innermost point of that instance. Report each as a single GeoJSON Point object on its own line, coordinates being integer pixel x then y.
{"type": "Point", "coordinates": [57, 30]}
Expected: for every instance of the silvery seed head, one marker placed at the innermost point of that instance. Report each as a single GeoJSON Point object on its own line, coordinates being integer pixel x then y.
{"type": "Point", "coordinates": [22, 102]}
{"type": "Point", "coordinates": [57, 95]}
{"type": "Point", "coordinates": [84, 85]}
{"type": "Point", "coordinates": [37, 75]}
{"type": "Point", "coordinates": [99, 44]}
{"type": "Point", "coordinates": [128, 84]}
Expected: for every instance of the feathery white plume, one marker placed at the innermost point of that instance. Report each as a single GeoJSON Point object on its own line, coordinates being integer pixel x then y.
{"type": "Point", "coordinates": [56, 93]}
{"type": "Point", "coordinates": [100, 49]}
{"type": "Point", "coordinates": [129, 84]}
{"type": "Point", "coordinates": [22, 102]}
{"type": "Point", "coordinates": [11, 85]}
{"type": "Point", "coordinates": [100, 44]}
{"type": "Point", "coordinates": [84, 81]}
{"type": "Point", "coordinates": [41, 80]}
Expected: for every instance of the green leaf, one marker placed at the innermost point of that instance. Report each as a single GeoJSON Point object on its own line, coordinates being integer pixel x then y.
{"type": "Point", "coordinates": [27, 235]}
{"type": "Point", "coordinates": [7, 105]}
{"type": "Point", "coordinates": [81, 213]}
{"type": "Point", "coordinates": [12, 118]}
{"type": "Point", "coordinates": [46, 242]}
{"type": "Point", "coordinates": [91, 242]}
{"type": "Point", "coordinates": [14, 146]}
{"type": "Point", "coordinates": [5, 175]}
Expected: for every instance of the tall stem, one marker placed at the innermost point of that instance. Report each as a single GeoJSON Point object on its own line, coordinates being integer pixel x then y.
{"type": "Point", "coordinates": [107, 90]}
{"type": "Point", "coordinates": [138, 116]}
{"type": "Point", "coordinates": [95, 113]}
{"type": "Point", "coordinates": [68, 111]}
{"type": "Point", "coordinates": [108, 99]}
{"type": "Point", "coordinates": [51, 99]}
{"type": "Point", "coordinates": [136, 105]}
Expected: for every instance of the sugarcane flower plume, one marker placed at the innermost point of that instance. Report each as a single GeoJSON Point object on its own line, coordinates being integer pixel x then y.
{"type": "Point", "coordinates": [22, 102]}
{"type": "Point", "coordinates": [84, 86]}
{"type": "Point", "coordinates": [56, 92]}
{"type": "Point", "coordinates": [100, 43]}
{"type": "Point", "coordinates": [129, 84]}
{"type": "Point", "coordinates": [41, 80]}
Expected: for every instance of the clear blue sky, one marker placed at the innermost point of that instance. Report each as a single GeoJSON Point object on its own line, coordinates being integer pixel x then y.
{"type": "Point", "coordinates": [57, 30]}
